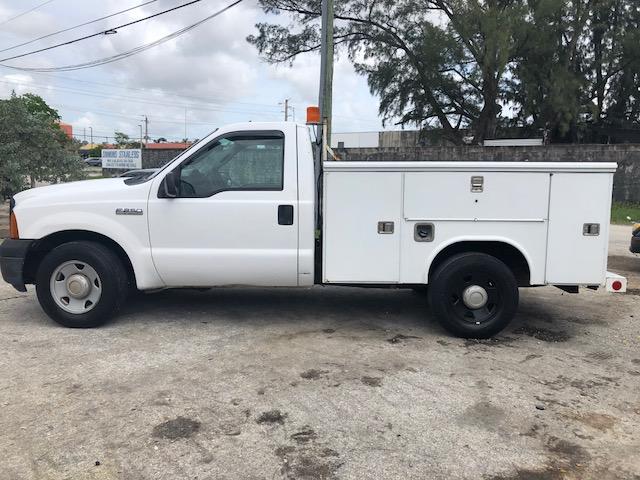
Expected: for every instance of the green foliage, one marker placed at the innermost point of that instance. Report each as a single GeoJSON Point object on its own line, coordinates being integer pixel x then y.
{"type": "Point", "coordinates": [622, 212]}
{"type": "Point", "coordinates": [32, 146]}
{"type": "Point", "coordinates": [558, 65]}
{"type": "Point", "coordinates": [124, 141]}
{"type": "Point", "coordinates": [432, 63]}
{"type": "Point", "coordinates": [578, 66]}
{"type": "Point", "coordinates": [36, 105]}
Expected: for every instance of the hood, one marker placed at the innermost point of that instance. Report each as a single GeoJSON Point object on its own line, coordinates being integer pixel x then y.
{"type": "Point", "coordinates": [85, 190]}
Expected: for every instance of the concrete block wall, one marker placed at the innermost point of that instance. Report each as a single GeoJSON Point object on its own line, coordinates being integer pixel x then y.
{"type": "Point", "coordinates": [158, 158]}
{"type": "Point", "coordinates": [626, 182]}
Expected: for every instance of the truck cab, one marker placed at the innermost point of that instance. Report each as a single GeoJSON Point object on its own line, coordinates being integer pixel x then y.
{"type": "Point", "coordinates": [244, 207]}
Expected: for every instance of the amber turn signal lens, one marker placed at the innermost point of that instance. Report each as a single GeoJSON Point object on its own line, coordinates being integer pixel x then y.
{"type": "Point", "coordinates": [13, 227]}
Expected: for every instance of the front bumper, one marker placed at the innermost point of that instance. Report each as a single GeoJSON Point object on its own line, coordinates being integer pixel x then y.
{"type": "Point", "coordinates": [13, 254]}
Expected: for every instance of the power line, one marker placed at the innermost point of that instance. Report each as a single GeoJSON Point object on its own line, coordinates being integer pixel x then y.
{"type": "Point", "coordinates": [78, 26]}
{"type": "Point", "coordinates": [108, 31]}
{"type": "Point", "coordinates": [210, 100]}
{"type": "Point", "coordinates": [169, 104]}
{"type": "Point", "coordinates": [128, 53]}
{"type": "Point", "coordinates": [25, 12]}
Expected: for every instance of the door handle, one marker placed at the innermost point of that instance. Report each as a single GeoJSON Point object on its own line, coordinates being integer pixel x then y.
{"type": "Point", "coordinates": [285, 214]}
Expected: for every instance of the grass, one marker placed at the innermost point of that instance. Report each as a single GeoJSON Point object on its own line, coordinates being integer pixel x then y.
{"type": "Point", "coordinates": [620, 211]}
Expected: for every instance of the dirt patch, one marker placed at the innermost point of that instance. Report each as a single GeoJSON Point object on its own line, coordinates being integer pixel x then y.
{"type": "Point", "coordinates": [543, 334]}
{"type": "Point", "coordinates": [309, 467]}
{"type": "Point", "coordinates": [566, 460]}
{"type": "Point", "coordinates": [307, 461]}
{"type": "Point", "coordinates": [532, 356]}
{"type": "Point", "coordinates": [600, 355]}
{"type": "Point", "coordinates": [492, 342]}
{"type": "Point", "coordinates": [313, 374]}
{"type": "Point", "coordinates": [284, 450]}
{"type": "Point", "coordinates": [328, 330]}
{"type": "Point", "coordinates": [484, 415]}
{"type": "Point", "coordinates": [401, 338]}
{"type": "Point", "coordinates": [567, 453]}
{"type": "Point", "coordinates": [179, 427]}
{"type": "Point", "coordinates": [636, 361]}
{"type": "Point", "coordinates": [328, 452]}
{"type": "Point", "coordinates": [546, 474]}
{"type": "Point", "coordinates": [598, 421]}
{"type": "Point", "coordinates": [372, 381]}
{"type": "Point", "coordinates": [272, 417]}
{"type": "Point", "coordinates": [305, 435]}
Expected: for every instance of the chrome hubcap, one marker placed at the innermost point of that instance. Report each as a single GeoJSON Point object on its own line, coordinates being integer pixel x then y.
{"type": "Point", "coordinates": [75, 286]}
{"type": "Point", "coordinates": [78, 285]}
{"type": "Point", "coordinates": [475, 297]}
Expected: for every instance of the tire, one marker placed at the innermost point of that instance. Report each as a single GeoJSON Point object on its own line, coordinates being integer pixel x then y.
{"type": "Point", "coordinates": [105, 280]}
{"type": "Point", "coordinates": [456, 301]}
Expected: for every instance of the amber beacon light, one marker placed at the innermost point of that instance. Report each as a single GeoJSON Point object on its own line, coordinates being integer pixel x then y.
{"type": "Point", "coordinates": [313, 115]}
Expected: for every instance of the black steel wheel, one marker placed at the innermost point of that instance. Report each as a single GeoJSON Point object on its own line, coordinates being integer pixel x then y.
{"type": "Point", "coordinates": [473, 295]}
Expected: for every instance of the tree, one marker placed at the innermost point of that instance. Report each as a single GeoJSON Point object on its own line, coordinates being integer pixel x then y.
{"type": "Point", "coordinates": [124, 141]}
{"type": "Point", "coordinates": [36, 105]}
{"type": "Point", "coordinates": [32, 147]}
{"type": "Point", "coordinates": [431, 62]}
{"type": "Point", "coordinates": [577, 68]}
{"type": "Point", "coordinates": [160, 140]}
{"type": "Point", "coordinates": [563, 67]}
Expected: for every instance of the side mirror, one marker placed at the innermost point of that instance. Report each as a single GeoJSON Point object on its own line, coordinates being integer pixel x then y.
{"type": "Point", "coordinates": [169, 186]}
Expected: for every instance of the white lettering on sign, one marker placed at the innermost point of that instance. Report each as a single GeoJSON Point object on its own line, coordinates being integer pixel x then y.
{"type": "Point", "coordinates": [124, 159]}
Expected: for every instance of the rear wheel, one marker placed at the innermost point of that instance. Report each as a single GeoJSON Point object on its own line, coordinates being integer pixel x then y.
{"type": "Point", "coordinates": [81, 284]}
{"type": "Point", "coordinates": [473, 295]}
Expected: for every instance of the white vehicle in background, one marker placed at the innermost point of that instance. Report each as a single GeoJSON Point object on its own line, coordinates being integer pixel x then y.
{"type": "Point", "coordinates": [243, 207]}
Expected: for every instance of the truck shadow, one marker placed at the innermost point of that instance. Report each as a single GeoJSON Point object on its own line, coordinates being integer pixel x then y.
{"type": "Point", "coordinates": [391, 309]}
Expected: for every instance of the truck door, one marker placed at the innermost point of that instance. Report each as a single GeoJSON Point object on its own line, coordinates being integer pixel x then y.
{"type": "Point", "coordinates": [234, 221]}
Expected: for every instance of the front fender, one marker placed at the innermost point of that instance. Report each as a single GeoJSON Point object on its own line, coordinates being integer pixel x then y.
{"type": "Point", "coordinates": [130, 232]}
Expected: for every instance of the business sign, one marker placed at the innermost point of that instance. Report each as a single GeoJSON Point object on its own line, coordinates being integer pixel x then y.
{"type": "Point", "coordinates": [126, 159]}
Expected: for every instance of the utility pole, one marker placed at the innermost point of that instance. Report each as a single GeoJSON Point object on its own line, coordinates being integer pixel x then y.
{"type": "Point", "coordinates": [146, 132]}
{"type": "Point", "coordinates": [91, 130]}
{"type": "Point", "coordinates": [185, 124]}
{"type": "Point", "coordinates": [84, 134]}
{"type": "Point", "coordinates": [141, 134]}
{"type": "Point", "coordinates": [326, 77]}
{"type": "Point", "coordinates": [288, 107]}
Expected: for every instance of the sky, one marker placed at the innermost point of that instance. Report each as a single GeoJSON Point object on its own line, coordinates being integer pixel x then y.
{"type": "Point", "coordinates": [211, 76]}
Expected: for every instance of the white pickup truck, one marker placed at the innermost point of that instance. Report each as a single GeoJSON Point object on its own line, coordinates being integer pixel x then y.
{"type": "Point", "coordinates": [244, 207]}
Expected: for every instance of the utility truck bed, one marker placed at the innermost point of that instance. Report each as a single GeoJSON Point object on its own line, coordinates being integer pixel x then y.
{"type": "Point", "coordinates": [555, 214]}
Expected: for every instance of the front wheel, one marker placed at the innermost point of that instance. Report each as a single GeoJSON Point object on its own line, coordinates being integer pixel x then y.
{"type": "Point", "coordinates": [473, 295]}
{"type": "Point", "coordinates": [81, 284]}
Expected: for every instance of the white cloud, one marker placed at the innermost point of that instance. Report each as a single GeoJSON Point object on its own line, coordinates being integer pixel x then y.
{"type": "Point", "coordinates": [211, 71]}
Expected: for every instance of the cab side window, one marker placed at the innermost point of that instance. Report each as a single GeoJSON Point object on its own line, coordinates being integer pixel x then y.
{"type": "Point", "coordinates": [235, 162]}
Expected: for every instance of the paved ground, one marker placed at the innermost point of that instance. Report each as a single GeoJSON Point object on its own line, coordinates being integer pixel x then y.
{"type": "Point", "coordinates": [323, 383]}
